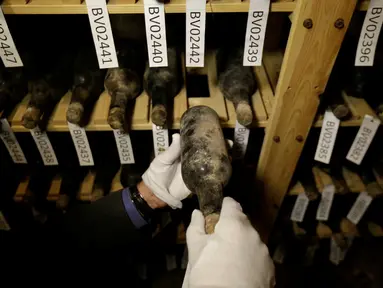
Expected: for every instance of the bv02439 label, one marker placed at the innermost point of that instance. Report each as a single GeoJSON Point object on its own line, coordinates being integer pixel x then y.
{"type": "Point", "coordinates": [11, 143]}
{"type": "Point", "coordinates": [81, 143]}
{"type": "Point", "coordinates": [327, 138]}
{"type": "Point", "coordinates": [241, 140]}
{"type": "Point", "coordinates": [255, 32]}
{"type": "Point", "coordinates": [156, 33]}
{"type": "Point", "coordinates": [369, 35]}
{"type": "Point", "coordinates": [102, 34]}
{"type": "Point", "coordinates": [160, 139]}
{"type": "Point", "coordinates": [195, 33]}
{"type": "Point", "coordinates": [45, 147]}
{"type": "Point", "coordinates": [124, 147]}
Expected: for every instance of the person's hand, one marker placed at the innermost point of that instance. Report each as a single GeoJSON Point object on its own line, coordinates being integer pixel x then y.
{"type": "Point", "coordinates": [164, 178]}
{"type": "Point", "coordinates": [233, 256]}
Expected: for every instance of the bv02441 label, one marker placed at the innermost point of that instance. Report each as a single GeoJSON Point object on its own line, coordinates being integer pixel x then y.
{"type": "Point", "coordinates": [45, 147]}
{"type": "Point", "coordinates": [8, 51]}
{"type": "Point", "coordinates": [156, 33]}
{"type": "Point", "coordinates": [124, 147]}
{"type": "Point", "coordinates": [102, 34]}
{"type": "Point", "coordinates": [369, 35]}
{"type": "Point", "coordinates": [363, 139]}
{"type": "Point", "coordinates": [327, 138]}
{"type": "Point", "coordinates": [160, 139]}
{"type": "Point", "coordinates": [255, 32]}
{"type": "Point", "coordinates": [81, 143]}
{"type": "Point", "coordinates": [241, 140]}
{"type": "Point", "coordinates": [195, 33]}
{"type": "Point", "coordinates": [11, 143]}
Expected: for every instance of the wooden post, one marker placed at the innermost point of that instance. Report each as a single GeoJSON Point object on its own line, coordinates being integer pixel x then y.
{"type": "Point", "coordinates": [312, 48]}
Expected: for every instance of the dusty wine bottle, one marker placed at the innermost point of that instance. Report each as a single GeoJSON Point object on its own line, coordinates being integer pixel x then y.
{"type": "Point", "coordinates": [162, 84]}
{"type": "Point", "coordinates": [206, 167]}
{"type": "Point", "coordinates": [237, 83]}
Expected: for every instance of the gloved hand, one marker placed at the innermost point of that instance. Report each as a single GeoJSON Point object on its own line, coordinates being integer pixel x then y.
{"type": "Point", "coordinates": [164, 177]}
{"type": "Point", "coordinates": [233, 256]}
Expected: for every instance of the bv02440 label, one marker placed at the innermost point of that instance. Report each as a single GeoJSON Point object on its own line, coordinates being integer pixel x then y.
{"type": "Point", "coordinates": [156, 33]}
{"type": "Point", "coordinates": [195, 33]}
{"type": "Point", "coordinates": [11, 143]}
{"type": "Point", "coordinates": [160, 139]}
{"type": "Point", "coordinates": [102, 34]}
{"type": "Point", "coordinates": [241, 140]}
{"type": "Point", "coordinates": [81, 143]}
{"type": "Point", "coordinates": [255, 32]}
{"type": "Point", "coordinates": [124, 147]}
{"type": "Point", "coordinates": [45, 147]}
{"type": "Point", "coordinates": [369, 35]}
{"type": "Point", "coordinates": [8, 51]}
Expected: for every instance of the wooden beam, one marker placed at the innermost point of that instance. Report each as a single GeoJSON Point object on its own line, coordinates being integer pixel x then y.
{"type": "Point", "coordinates": [308, 61]}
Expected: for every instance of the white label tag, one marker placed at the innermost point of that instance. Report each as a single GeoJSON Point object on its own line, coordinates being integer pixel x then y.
{"type": "Point", "coordinates": [369, 35]}
{"type": "Point", "coordinates": [8, 51]}
{"type": "Point", "coordinates": [195, 33]}
{"type": "Point", "coordinates": [156, 33]}
{"type": "Point", "coordinates": [279, 254]}
{"type": "Point", "coordinates": [3, 223]}
{"type": "Point", "coordinates": [300, 208]}
{"type": "Point", "coordinates": [81, 143]}
{"type": "Point", "coordinates": [44, 146]}
{"type": "Point", "coordinates": [160, 139]}
{"type": "Point", "coordinates": [241, 139]}
{"type": "Point", "coordinates": [325, 204]}
{"type": "Point", "coordinates": [359, 208]}
{"type": "Point", "coordinates": [11, 143]}
{"type": "Point", "coordinates": [327, 138]}
{"type": "Point", "coordinates": [363, 139]}
{"type": "Point", "coordinates": [255, 32]}
{"type": "Point", "coordinates": [124, 147]}
{"type": "Point", "coordinates": [337, 255]}
{"type": "Point", "coordinates": [102, 34]}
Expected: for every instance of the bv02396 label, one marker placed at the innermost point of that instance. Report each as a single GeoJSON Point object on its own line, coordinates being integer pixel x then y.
{"type": "Point", "coordinates": [156, 33]}
{"type": "Point", "coordinates": [11, 143]}
{"type": "Point", "coordinates": [124, 147]}
{"type": "Point", "coordinates": [369, 35]}
{"type": "Point", "coordinates": [45, 147]}
{"type": "Point", "coordinates": [325, 204]}
{"type": "Point", "coordinates": [300, 208]}
{"type": "Point", "coordinates": [8, 51]}
{"type": "Point", "coordinates": [359, 208]}
{"type": "Point", "coordinates": [195, 33]}
{"type": "Point", "coordinates": [363, 139]}
{"type": "Point", "coordinates": [241, 140]}
{"type": "Point", "coordinates": [327, 138]}
{"type": "Point", "coordinates": [81, 143]}
{"type": "Point", "coordinates": [255, 32]}
{"type": "Point", "coordinates": [160, 139]}
{"type": "Point", "coordinates": [102, 34]}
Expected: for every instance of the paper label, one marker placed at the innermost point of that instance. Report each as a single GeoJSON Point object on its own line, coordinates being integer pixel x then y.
{"type": "Point", "coordinates": [124, 147]}
{"type": "Point", "coordinates": [325, 204]}
{"type": "Point", "coordinates": [81, 143]}
{"type": "Point", "coordinates": [241, 140]}
{"type": "Point", "coordinates": [11, 143]}
{"type": "Point", "coordinates": [45, 147]}
{"type": "Point", "coordinates": [279, 254]}
{"type": "Point", "coordinates": [337, 255]}
{"type": "Point", "coordinates": [327, 138]}
{"type": "Point", "coordinates": [195, 33]}
{"type": "Point", "coordinates": [255, 32]}
{"type": "Point", "coordinates": [8, 51]}
{"type": "Point", "coordinates": [3, 223]}
{"type": "Point", "coordinates": [369, 35]}
{"type": "Point", "coordinates": [156, 33]}
{"type": "Point", "coordinates": [359, 208]}
{"type": "Point", "coordinates": [160, 139]}
{"type": "Point", "coordinates": [102, 34]}
{"type": "Point", "coordinates": [363, 139]}
{"type": "Point", "coordinates": [300, 208]}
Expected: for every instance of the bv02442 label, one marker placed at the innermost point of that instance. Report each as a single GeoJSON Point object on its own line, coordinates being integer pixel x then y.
{"type": "Point", "coordinates": [102, 34]}
{"type": "Point", "coordinates": [195, 33]}
{"type": "Point", "coordinates": [124, 147]}
{"type": "Point", "coordinates": [45, 147]}
{"type": "Point", "coordinates": [156, 33]}
{"type": "Point", "coordinates": [11, 143]}
{"type": "Point", "coordinates": [160, 139]}
{"type": "Point", "coordinates": [81, 143]}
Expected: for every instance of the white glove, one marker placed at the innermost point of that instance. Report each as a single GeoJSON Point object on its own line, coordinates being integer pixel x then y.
{"type": "Point", "coordinates": [164, 177]}
{"type": "Point", "coordinates": [233, 256]}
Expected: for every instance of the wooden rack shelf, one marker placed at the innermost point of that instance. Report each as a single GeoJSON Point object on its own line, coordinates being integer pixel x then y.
{"type": "Point", "coordinates": [261, 102]}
